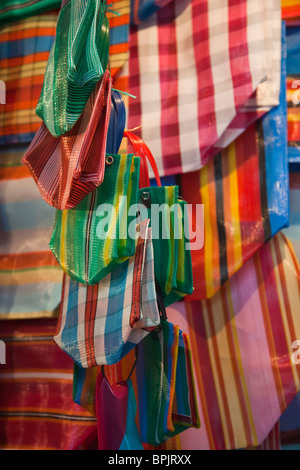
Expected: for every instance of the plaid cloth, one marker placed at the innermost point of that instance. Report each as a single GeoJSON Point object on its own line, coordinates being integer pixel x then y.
{"type": "Point", "coordinates": [65, 168]}
{"type": "Point", "coordinates": [203, 88]}
{"type": "Point", "coordinates": [15, 10]}
{"type": "Point", "coordinates": [30, 277]}
{"type": "Point", "coordinates": [36, 408]}
{"type": "Point", "coordinates": [245, 192]}
{"type": "Point", "coordinates": [100, 324]}
{"type": "Point", "coordinates": [242, 350]}
{"type": "Point", "coordinates": [24, 51]}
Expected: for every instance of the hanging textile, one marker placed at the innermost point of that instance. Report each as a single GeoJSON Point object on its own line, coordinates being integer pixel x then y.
{"type": "Point", "coordinates": [24, 51]}
{"type": "Point", "coordinates": [290, 8]}
{"type": "Point", "coordinates": [36, 409]}
{"type": "Point", "coordinates": [202, 89]}
{"type": "Point", "coordinates": [293, 231]}
{"type": "Point", "coordinates": [245, 197]}
{"type": "Point", "coordinates": [65, 168]}
{"type": "Point", "coordinates": [242, 350]}
{"type": "Point", "coordinates": [293, 92]}
{"type": "Point", "coordinates": [15, 10]}
{"type": "Point", "coordinates": [30, 277]}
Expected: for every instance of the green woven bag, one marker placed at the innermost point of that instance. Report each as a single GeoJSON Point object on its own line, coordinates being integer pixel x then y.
{"type": "Point", "coordinates": [77, 61]}
{"type": "Point", "coordinates": [90, 240]}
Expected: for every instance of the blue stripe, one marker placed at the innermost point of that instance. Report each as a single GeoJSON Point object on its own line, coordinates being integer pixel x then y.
{"type": "Point", "coordinates": [119, 35]}
{"type": "Point", "coordinates": [16, 138]}
{"type": "Point", "coordinates": [115, 309]}
{"type": "Point", "coordinates": [80, 373]}
{"type": "Point", "coordinates": [69, 337]}
{"type": "Point", "coordinates": [24, 47]}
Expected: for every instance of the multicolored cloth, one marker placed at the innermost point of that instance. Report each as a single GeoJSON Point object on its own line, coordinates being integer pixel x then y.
{"type": "Point", "coordinates": [99, 223]}
{"type": "Point", "coordinates": [65, 168]}
{"type": "Point", "coordinates": [293, 231]}
{"type": "Point", "coordinates": [290, 8]}
{"type": "Point", "coordinates": [36, 409]}
{"type": "Point", "coordinates": [100, 324]}
{"type": "Point", "coordinates": [24, 51]}
{"type": "Point", "coordinates": [242, 350]}
{"type": "Point", "coordinates": [201, 79]}
{"type": "Point", "coordinates": [30, 277]}
{"type": "Point", "coordinates": [15, 10]}
{"type": "Point", "coordinates": [245, 197]}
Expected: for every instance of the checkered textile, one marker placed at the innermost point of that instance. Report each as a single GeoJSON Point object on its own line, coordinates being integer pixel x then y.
{"type": "Point", "coordinates": [100, 324]}
{"type": "Point", "coordinates": [204, 70]}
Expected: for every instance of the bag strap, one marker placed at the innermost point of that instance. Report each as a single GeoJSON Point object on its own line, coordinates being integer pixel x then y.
{"type": "Point", "coordinates": [143, 151]}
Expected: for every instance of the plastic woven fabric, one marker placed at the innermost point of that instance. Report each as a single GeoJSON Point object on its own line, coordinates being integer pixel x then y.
{"type": "Point", "coordinates": [77, 62]}
{"type": "Point", "coordinates": [87, 239]}
{"type": "Point", "coordinates": [69, 167]}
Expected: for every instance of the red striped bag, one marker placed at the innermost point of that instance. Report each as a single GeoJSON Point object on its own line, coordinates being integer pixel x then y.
{"type": "Point", "coordinates": [69, 167]}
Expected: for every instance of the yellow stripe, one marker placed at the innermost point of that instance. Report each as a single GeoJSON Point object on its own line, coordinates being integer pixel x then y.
{"type": "Point", "coordinates": [234, 203]}
{"type": "Point", "coordinates": [31, 276]}
{"type": "Point", "coordinates": [28, 315]}
{"type": "Point", "coordinates": [63, 241]}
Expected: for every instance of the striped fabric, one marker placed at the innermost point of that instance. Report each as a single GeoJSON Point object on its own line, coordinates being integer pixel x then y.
{"type": "Point", "coordinates": [244, 191]}
{"type": "Point", "coordinates": [293, 95]}
{"type": "Point", "coordinates": [30, 277]}
{"type": "Point", "coordinates": [15, 10]}
{"type": "Point", "coordinates": [100, 324]}
{"type": "Point", "coordinates": [142, 9]}
{"type": "Point", "coordinates": [65, 168]}
{"type": "Point", "coordinates": [92, 239]}
{"type": "Point", "coordinates": [293, 232]}
{"type": "Point", "coordinates": [24, 51]}
{"type": "Point", "coordinates": [290, 8]}
{"type": "Point", "coordinates": [118, 36]}
{"type": "Point", "coordinates": [165, 382]}
{"type": "Point", "coordinates": [76, 63]}
{"type": "Point", "coordinates": [242, 350]}
{"type": "Point", "coordinates": [36, 409]}
{"type": "Point", "coordinates": [203, 88]}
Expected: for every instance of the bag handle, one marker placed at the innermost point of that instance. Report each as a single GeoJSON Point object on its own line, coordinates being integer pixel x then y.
{"type": "Point", "coordinates": [116, 123]}
{"type": "Point", "coordinates": [143, 151]}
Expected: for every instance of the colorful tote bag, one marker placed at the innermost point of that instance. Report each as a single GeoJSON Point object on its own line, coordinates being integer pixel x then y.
{"type": "Point", "coordinates": [245, 199]}
{"type": "Point", "coordinates": [92, 239]}
{"type": "Point", "coordinates": [15, 10]}
{"type": "Point", "coordinates": [165, 383]}
{"type": "Point", "coordinates": [100, 324]}
{"type": "Point", "coordinates": [37, 412]}
{"type": "Point", "coordinates": [69, 167]}
{"type": "Point", "coordinates": [24, 51]}
{"type": "Point", "coordinates": [77, 62]}
{"type": "Point", "coordinates": [116, 410]}
{"type": "Point", "coordinates": [167, 213]}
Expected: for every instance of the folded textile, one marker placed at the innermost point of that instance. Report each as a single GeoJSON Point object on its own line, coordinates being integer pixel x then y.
{"type": "Point", "coordinates": [15, 10]}
{"type": "Point", "coordinates": [30, 277]}
{"type": "Point", "coordinates": [36, 411]}
{"type": "Point", "coordinates": [242, 348]}
{"type": "Point", "coordinates": [202, 78]}
{"type": "Point", "coordinates": [245, 197]}
{"type": "Point", "coordinates": [24, 51]}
